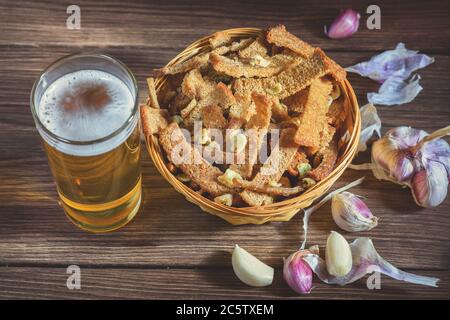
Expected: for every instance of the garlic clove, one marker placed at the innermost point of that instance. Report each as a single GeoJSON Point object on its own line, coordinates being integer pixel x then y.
{"type": "Point", "coordinates": [303, 169]}
{"type": "Point", "coordinates": [251, 270]}
{"type": "Point", "coordinates": [335, 92]}
{"type": "Point", "coordinates": [228, 177]}
{"type": "Point", "coordinates": [297, 273]}
{"type": "Point", "coordinates": [225, 199]}
{"type": "Point", "coordinates": [351, 213]}
{"type": "Point", "coordinates": [429, 185]}
{"type": "Point", "coordinates": [344, 25]}
{"type": "Point", "coordinates": [238, 142]}
{"type": "Point", "coordinates": [338, 255]}
{"type": "Point", "coordinates": [183, 178]}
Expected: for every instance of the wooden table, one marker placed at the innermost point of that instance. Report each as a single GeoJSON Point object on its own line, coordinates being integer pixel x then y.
{"type": "Point", "coordinates": [172, 249]}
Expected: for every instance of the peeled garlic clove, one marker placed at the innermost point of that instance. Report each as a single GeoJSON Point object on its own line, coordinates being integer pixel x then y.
{"type": "Point", "coordinates": [298, 273]}
{"type": "Point", "coordinates": [250, 270]}
{"type": "Point", "coordinates": [338, 255]}
{"type": "Point", "coordinates": [303, 169]}
{"type": "Point", "coordinates": [351, 213]}
{"type": "Point", "coordinates": [228, 177]}
{"type": "Point", "coordinates": [429, 186]}
{"type": "Point", "coordinates": [238, 142]}
{"type": "Point", "coordinates": [225, 199]}
{"type": "Point", "coordinates": [335, 92]}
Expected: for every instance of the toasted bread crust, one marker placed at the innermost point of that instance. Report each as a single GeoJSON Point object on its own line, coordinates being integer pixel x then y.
{"type": "Point", "coordinates": [257, 47]}
{"type": "Point", "coordinates": [201, 61]}
{"type": "Point", "coordinates": [238, 69]}
{"type": "Point", "coordinates": [313, 120]}
{"type": "Point", "coordinates": [153, 120]}
{"type": "Point", "coordinates": [203, 174]}
{"type": "Point", "coordinates": [153, 98]}
{"type": "Point", "coordinates": [294, 79]}
{"type": "Point", "coordinates": [219, 39]}
{"type": "Point", "coordinates": [280, 37]}
{"type": "Point", "coordinates": [336, 113]}
{"type": "Point", "coordinates": [329, 157]}
{"type": "Point", "coordinates": [272, 170]}
{"type": "Point", "coordinates": [212, 117]}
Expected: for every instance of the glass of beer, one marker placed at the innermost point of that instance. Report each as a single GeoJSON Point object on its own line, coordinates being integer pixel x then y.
{"type": "Point", "coordinates": [85, 107]}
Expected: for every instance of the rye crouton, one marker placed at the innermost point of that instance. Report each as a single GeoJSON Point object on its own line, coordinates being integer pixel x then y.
{"type": "Point", "coordinates": [328, 159]}
{"type": "Point", "coordinates": [313, 119]}
{"type": "Point", "coordinates": [294, 79]}
{"type": "Point", "coordinates": [153, 120]}
{"type": "Point", "coordinates": [212, 117]}
{"type": "Point", "coordinates": [280, 37]}
{"type": "Point", "coordinates": [203, 174]}
{"type": "Point", "coordinates": [235, 68]}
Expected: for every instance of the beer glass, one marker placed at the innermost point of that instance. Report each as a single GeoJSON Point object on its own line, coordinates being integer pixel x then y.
{"type": "Point", "coordinates": [89, 127]}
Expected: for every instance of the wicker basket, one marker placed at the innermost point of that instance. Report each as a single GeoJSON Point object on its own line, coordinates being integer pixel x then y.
{"type": "Point", "coordinates": [279, 211]}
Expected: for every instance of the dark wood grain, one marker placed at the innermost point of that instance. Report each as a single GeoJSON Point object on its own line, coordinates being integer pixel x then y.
{"type": "Point", "coordinates": [172, 249]}
{"type": "Point", "coordinates": [220, 283]}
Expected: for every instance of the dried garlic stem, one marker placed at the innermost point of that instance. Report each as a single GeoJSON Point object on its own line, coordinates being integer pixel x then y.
{"type": "Point", "coordinates": [435, 135]}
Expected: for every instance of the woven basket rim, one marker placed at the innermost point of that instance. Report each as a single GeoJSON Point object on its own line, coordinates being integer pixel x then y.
{"type": "Point", "coordinates": [278, 208]}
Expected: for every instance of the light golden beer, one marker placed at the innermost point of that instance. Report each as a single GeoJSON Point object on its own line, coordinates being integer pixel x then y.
{"type": "Point", "coordinates": [89, 125]}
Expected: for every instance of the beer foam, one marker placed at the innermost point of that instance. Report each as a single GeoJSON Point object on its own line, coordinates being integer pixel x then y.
{"type": "Point", "coordinates": [86, 105]}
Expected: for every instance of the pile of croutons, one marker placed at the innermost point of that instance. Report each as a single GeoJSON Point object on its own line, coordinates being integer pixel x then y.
{"type": "Point", "coordinates": [249, 122]}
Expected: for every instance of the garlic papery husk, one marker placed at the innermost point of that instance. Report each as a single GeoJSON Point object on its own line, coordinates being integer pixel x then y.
{"type": "Point", "coordinates": [365, 260]}
{"type": "Point", "coordinates": [429, 185]}
{"type": "Point", "coordinates": [396, 91]}
{"type": "Point", "coordinates": [309, 211]}
{"type": "Point", "coordinates": [399, 62]}
{"type": "Point", "coordinates": [344, 25]}
{"type": "Point", "coordinates": [338, 255]}
{"type": "Point", "coordinates": [370, 124]}
{"type": "Point", "coordinates": [250, 270]}
{"type": "Point", "coordinates": [351, 213]}
{"type": "Point", "coordinates": [297, 273]}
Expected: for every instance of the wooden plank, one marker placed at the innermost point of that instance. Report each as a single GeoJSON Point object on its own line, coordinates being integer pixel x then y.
{"type": "Point", "coordinates": [50, 283]}
{"type": "Point", "coordinates": [173, 24]}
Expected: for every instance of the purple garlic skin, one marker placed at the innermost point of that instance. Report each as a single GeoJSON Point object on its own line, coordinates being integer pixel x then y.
{"type": "Point", "coordinates": [399, 63]}
{"type": "Point", "coordinates": [346, 24]}
{"type": "Point", "coordinates": [297, 273]}
{"type": "Point", "coordinates": [392, 152]}
{"type": "Point", "coordinates": [429, 185]}
{"type": "Point", "coordinates": [351, 214]}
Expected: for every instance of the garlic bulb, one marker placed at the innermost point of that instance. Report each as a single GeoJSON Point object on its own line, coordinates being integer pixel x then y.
{"type": "Point", "coordinates": [298, 273]}
{"type": "Point", "coordinates": [338, 255]}
{"type": "Point", "coordinates": [392, 154]}
{"type": "Point", "coordinates": [413, 158]}
{"type": "Point", "coordinates": [351, 213]}
{"type": "Point", "coordinates": [250, 270]}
